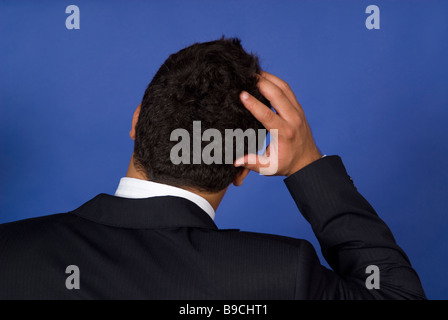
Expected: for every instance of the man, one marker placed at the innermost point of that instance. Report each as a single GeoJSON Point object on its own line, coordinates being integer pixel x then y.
{"type": "Point", "coordinates": [156, 239]}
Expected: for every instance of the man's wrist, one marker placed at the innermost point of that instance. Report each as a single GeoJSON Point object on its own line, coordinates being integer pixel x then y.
{"type": "Point", "coordinates": [305, 162]}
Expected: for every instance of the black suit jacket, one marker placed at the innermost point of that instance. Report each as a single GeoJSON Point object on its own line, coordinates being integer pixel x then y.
{"type": "Point", "coordinates": [168, 248]}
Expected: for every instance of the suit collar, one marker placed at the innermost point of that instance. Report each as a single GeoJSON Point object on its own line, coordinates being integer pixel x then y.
{"type": "Point", "coordinates": [146, 213]}
{"type": "Point", "coordinates": [137, 188]}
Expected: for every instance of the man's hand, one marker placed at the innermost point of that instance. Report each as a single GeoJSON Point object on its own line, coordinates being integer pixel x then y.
{"type": "Point", "coordinates": [293, 147]}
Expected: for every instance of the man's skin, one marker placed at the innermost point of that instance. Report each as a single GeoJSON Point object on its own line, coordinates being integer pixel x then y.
{"type": "Point", "coordinates": [294, 144]}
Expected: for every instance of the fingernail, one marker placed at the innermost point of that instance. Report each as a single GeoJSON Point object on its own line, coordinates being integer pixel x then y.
{"type": "Point", "coordinates": [239, 162]}
{"type": "Point", "coordinates": [244, 95]}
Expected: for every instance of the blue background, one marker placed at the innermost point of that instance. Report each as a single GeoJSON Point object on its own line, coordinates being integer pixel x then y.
{"type": "Point", "coordinates": [377, 98]}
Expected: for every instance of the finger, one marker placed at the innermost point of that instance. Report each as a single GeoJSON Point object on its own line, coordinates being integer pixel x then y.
{"type": "Point", "coordinates": [279, 100]}
{"type": "Point", "coordinates": [252, 162]}
{"type": "Point", "coordinates": [261, 112]}
{"type": "Point", "coordinates": [284, 86]}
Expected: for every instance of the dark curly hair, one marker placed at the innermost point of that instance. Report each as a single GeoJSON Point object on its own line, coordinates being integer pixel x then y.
{"type": "Point", "coordinates": [199, 83]}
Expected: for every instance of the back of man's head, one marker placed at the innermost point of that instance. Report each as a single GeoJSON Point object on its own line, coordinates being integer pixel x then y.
{"type": "Point", "coordinates": [202, 83]}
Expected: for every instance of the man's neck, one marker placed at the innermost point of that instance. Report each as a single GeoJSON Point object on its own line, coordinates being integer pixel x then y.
{"type": "Point", "coordinates": [213, 198]}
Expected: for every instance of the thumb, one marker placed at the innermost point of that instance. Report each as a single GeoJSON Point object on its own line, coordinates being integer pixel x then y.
{"type": "Point", "coordinates": [252, 162]}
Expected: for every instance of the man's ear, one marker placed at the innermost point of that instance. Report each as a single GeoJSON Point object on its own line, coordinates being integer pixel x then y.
{"type": "Point", "coordinates": [238, 181]}
{"type": "Point", "coordinates": [134, 122]}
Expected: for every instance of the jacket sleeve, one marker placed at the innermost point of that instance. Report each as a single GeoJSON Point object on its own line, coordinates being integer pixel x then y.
{"type": "Point", "coordinates": [352, 238]}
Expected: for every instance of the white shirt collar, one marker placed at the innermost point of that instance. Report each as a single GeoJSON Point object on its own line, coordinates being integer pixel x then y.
{"type": "Point", "coordinates": [137, 188]}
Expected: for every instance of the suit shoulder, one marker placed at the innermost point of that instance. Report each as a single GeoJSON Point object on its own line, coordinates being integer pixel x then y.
{"type": "Point", "coordinates": [278, 256]}
{"type": "Point", "coordinates": [36, 221]}
{"type": "Point", "coordinates": [34, 228]}
{"type": "Point", "coordinates": [271, 240]}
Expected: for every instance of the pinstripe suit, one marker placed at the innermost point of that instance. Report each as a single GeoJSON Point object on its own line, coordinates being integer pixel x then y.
{"type": "Point", "coordinates": [169, 248]}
